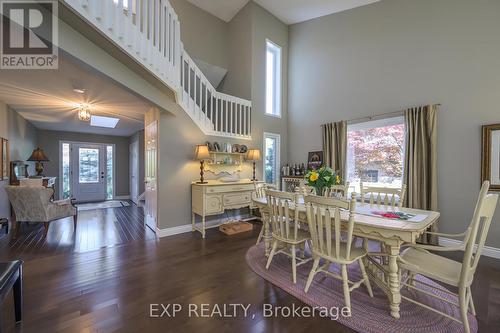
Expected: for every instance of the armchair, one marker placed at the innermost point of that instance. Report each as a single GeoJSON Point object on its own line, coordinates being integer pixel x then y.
{"type": "Point", "coordinates": [33, 204]}
{"type": "Point", "coordinates": [417, 259]}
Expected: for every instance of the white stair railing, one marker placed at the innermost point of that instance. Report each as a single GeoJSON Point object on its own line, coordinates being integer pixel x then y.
{"type": "Point", "coordinates": [149, 32]}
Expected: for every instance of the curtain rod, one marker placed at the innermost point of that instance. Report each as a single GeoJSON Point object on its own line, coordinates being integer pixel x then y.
{"type": "Point", "coordinates": [380, 116]}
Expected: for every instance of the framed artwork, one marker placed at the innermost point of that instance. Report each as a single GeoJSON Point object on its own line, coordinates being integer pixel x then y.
{"type": "Point", "coordinates": [314, 160]}
{"type": "Point", "coordinates": [490, 157]}
{"type": "Point", "coordinates": [5, 159]}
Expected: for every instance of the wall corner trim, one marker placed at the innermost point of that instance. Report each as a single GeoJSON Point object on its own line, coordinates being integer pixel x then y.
{"type": "Point", "coordinates": [488, 251]}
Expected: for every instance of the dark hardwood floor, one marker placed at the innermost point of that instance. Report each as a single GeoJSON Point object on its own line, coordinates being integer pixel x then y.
{"type": "Point", "coordinates": [111, 289]}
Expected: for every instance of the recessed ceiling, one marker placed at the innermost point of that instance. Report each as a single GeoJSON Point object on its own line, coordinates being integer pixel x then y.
{"type": "Point", "coordinates": [288, 11]}
{"type": "Point", "coordinates": [46, 99]}
{"type": "Point", "coordinates": [223, 9]}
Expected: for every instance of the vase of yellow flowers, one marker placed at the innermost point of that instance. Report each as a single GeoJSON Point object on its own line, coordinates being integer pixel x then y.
{"type": "Point", "coordinates": [322, 178]}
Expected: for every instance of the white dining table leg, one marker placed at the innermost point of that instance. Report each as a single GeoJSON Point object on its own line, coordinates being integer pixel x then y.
{"type": "Point", "coordinates": [267, 233]}
{"type": "Point", "coordinates": [394, 283]}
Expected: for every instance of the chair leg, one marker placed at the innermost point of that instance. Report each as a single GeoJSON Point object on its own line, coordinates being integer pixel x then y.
{"type": "Point", "coordinates": [260, 235]}
{"type": "Point", "coordinates": [345, 284]}
{"type": "Point", "coordinates": [75, 221]}
{"type": "Point", "coordinates": [464, 306]}
{"type": "Point", "coordinates": [365, 277]}
{"type": "Point", "coordinates": [46, 227]}
{"type": "Point", "coordinates": [271, 255]}
{"type": "Point", "coordinates": [294, 264]}
{"type": "Point", "coordinates": [471, 302]}
{"type": "Point", "coordinates": [18, 296]}
{"type": "Point", "coordinates": [311, 274]}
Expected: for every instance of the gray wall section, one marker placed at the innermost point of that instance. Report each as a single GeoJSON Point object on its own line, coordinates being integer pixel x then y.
{"type": "Point", "coordinates": [204, 36]}
{"type": "Point", "coordinates": [139, 136]}
{"type": "Point", "coordinates": [22, 138]}
{"type": "Point", "coordinates": [49, 142]}
{"type": "Point", "coordinates": [399, 53]}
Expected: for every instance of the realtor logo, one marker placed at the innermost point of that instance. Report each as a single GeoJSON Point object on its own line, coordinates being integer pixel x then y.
{"type": "Point", "coordinates": [29, 34]}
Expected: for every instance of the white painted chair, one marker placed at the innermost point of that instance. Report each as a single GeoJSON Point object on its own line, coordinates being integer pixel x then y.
{"type": "Point", "coordinates": [305, 190]}
{"type": "Point", "coordinates": [286, 233]}
{"type": "Point", "coordinates": [260, 192]}
{"type": "Point", "coordinates": [337, 191]}
{"type": "Point", "coordinates": [325, 227]}
{"type": "Point", "coordinates": [418, 260]}
{"type": "Point", "coordinates": [387, 196]}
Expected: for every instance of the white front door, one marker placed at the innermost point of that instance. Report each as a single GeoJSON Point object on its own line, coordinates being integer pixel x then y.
{"type": "Point", "coordinates": [150, 212]}
{"type": "Point", "coordinates": [89, 172]}
{"type": "Point", "coordinates": [134, 171]}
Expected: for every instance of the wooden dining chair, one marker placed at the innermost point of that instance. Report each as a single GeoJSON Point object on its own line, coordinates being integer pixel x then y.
{"type": "Point", "coordinates": [325, 227]}
{"type": "Point", "coordinates": [304, 190]}
{"type": "Point", "coordinates": [337, 191]}
{"type": "Point", "coordinates": [288, 238]}
{"type": "Point", "coordinates": [387, 196]}
{"type": "Point", "coordinates": [260, 192]}
{"type": "Point", "coordinates": [417, 259]}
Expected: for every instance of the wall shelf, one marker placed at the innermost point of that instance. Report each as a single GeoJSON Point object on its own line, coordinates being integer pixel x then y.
{"type": "Point", "coordinates": [222, 162]}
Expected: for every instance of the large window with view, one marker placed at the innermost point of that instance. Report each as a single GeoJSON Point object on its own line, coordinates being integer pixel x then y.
{"type": "Point", "coordinates": [375, 153]}
{"type": "Point", "coordinates": [273, 79]}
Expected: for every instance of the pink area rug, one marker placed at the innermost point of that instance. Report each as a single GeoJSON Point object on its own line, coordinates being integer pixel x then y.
{"type": "Point", "coordinates": [370, 315]}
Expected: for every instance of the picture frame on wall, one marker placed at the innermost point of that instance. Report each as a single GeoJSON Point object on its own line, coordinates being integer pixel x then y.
{"type": "Point", "coordinates": [490, 156]}
{"type": "Point", "coordinates": [314, 160]}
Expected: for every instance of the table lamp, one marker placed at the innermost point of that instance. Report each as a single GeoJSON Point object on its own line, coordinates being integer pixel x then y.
{"type": "Point", "coordinates": [201, 154]}
{"type": "Point", "coordinates": [253, 155]}
{"type": "Point", "coordinates": [38, 156]}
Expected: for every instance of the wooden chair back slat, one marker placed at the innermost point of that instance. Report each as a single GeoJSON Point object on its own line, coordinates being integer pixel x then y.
{"type": "Point", "coordinates": [383, 195]}
{"type": "Point", "coordinates": [325, 225]}
{"type": "Point", "coordinates": [337, 191]}
{"type": "Point", "coordinates": [283, 223]}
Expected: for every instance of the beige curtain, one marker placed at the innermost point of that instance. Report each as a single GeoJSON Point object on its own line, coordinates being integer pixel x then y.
{"type": "Point", "coordinates": [420, 174]}
{"type": "Point", "coordinates": [335, 146]}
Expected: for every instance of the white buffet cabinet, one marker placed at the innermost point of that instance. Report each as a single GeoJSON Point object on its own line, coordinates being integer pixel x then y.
{"type": "Point", "coordinates": [215, 197]}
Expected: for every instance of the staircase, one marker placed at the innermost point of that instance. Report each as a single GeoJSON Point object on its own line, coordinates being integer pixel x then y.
{"type": "Point", "coordinates": [149, 32]}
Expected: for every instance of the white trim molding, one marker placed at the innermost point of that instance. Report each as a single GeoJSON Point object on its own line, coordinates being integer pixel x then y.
{"type": "Point", "coordinates": [488, 251]}
{"type": "Point", "coordinates": [181, 229]}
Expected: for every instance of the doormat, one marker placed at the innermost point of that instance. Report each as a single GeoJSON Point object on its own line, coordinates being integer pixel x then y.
{"type": "Point", "coordinates": [102, 205]}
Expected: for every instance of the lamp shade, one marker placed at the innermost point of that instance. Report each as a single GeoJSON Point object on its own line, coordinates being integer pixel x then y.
{"type": "Point", "coordinates": [253, 155]}
{"type": "Point", "coordinates": [201, 153]}
{"type": "Point", "coordinates": [38, 156]}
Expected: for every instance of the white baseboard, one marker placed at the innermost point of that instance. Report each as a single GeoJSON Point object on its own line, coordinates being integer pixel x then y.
{"type": "Point", "coordinates": [122, 197]}
{"type": "Point", "coordinates": [188, 227]}
{"type": "Point", "coordinates": [488, 251]}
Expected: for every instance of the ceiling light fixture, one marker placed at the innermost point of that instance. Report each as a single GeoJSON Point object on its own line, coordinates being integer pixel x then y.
{"type": "Point", "coordinates": [79, 90]}
{"type": "Point", "coordinates": [107, 122]}
{"type": "Point", "coordinates": [84, 112]}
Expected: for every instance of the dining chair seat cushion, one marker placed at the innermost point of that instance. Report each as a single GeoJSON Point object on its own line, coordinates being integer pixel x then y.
{"type": "Point", "coordinates": [432, 265]}
{"type": "Point", "coordinates": [7, 270]}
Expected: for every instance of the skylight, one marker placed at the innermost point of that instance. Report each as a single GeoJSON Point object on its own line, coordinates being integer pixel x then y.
{"type": "Point", "coordinates": [107, 122]}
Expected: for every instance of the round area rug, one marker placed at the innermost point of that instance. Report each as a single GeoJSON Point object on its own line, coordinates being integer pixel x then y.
{"type": "Point", "coordinates": [370, 315]}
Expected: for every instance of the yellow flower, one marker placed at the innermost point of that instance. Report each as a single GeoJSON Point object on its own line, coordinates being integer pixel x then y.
{"type": "Point", "coordinates": [337, 180]}
{"type": "Point", "coordinates": [314, 176]}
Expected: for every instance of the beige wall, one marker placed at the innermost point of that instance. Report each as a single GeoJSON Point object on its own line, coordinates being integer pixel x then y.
{"type": "Point", "coordinates": [22, 138]}
{"type": "Point", "coordinates": [139, 136]}
{"type": "Point", "coordinates": [204, 36]}
{"type": "Point", "coordinates": [399, 53]}
{"type": "Point", "coordinates": [49, 142]}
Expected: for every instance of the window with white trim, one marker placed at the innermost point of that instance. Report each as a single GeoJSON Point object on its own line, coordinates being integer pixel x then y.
{"type": "Point", "coordinates": [273, 79]}
{"type": "Point", "coordinates": [271, 159]}
{"type": "Point", "coordinates": [375, 153]}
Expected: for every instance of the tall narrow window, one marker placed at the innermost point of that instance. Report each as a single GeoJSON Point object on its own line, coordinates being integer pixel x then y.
{"type": "Point", "coordinates": [273, 79]}
{"type": "Point", "coordinates": [66, 171]}
{"type": "Point", "coordinates": [109, 172]}
{"type": "Point", "coordinates": [271, 158]}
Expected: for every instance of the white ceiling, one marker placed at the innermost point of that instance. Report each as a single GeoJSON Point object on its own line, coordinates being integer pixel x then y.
{"type": "Point", "coordinates": [223, 9]}
{"type": "Point", "coordinates": [288, 11]}
{"type": "Point", "coordinates": [47, 100]}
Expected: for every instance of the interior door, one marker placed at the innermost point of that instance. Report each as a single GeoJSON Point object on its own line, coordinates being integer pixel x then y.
{"type": "Point", "coordinates": [89, 172]}
{"type": "Point", "coordinates": [151, 207]}
{"type": "Point", "coordinates": [134, 171]}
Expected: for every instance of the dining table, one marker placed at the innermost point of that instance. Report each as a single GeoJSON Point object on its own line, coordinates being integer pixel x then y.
{"type": "Point", "coordinates": [371, 223]}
